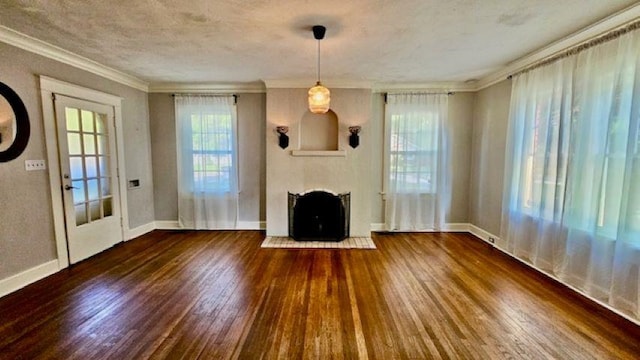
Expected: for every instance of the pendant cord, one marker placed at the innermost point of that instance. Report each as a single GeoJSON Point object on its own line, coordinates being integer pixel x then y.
{"type": "Point", "coordinates": [318, 72]}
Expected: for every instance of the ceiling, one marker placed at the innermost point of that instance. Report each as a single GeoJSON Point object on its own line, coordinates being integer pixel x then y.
{"type": "Point", "coordinates": [391, 41]}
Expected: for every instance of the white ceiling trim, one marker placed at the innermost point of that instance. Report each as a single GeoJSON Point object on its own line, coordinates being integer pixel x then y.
{"type": "Point", "coordinates": [40, 47]}
{"type": "Point", "coordinates": [425, 87]}
{"type": "Point", "coordinates": [601, 27]}
{"type": "Point", "coordinates": [307, 83]}
{"type": "Point", "coordinates": [218, 88]}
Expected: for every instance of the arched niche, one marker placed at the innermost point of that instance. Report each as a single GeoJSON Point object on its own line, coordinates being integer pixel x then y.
{"type": "Point", "coordinates": [319, 131]}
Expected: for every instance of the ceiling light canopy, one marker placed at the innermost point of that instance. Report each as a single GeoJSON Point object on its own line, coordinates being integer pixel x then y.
{"type": "Point", "coordinates": [319, 96]}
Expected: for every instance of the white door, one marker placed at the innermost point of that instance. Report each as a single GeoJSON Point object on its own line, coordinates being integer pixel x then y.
{"type": "Point", "coordinates": [88, 167]}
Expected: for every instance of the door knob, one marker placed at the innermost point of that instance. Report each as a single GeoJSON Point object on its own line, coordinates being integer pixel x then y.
{"type": "Point", "coordinates": [69, 187]}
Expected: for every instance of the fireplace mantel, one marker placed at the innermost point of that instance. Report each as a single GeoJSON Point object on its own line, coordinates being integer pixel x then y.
{"type": "Point", "coordinates": [325, 153]}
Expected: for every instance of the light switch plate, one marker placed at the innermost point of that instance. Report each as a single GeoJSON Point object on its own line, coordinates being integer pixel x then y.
{"type": "Point", "coordinates": [32, 165]}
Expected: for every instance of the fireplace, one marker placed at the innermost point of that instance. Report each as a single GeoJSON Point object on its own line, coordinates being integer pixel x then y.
{"type": "Point", "coordinates": [319, 215]}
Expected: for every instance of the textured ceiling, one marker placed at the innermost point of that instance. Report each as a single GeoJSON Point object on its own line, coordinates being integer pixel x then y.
{"type": "Point", "coordinates": [246, 41]}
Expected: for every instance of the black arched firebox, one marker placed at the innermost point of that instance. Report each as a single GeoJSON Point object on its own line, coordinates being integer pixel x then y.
{"type": "Point", "coordinates": [319, 215]}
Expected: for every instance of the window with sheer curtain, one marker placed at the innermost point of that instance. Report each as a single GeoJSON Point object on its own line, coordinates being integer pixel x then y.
{"type": "Point", "coordinates": [416, 178]}
{"type": "Point", "coordinates": [572, 177]}
{"type": "Point", "coordinates": [207, 161]}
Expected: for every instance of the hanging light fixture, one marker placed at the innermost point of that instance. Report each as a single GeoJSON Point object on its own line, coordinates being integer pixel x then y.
{"type": "Point", "coordinates": [319, 96]}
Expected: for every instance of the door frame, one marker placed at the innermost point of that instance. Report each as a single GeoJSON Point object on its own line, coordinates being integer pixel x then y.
{"type": "Point", "coordinates": [48, 88]}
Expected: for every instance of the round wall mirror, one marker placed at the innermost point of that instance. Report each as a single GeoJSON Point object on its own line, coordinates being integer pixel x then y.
{"type": "Point", "coordinates": [14, 124]}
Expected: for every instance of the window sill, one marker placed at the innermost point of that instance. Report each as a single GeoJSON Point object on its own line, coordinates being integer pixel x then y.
{"type": "Point", "coordinates": [319, 153]}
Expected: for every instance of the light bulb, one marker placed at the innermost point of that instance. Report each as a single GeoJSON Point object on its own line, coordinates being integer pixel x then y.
{"type": "Point", "coordinates": [319, 99]}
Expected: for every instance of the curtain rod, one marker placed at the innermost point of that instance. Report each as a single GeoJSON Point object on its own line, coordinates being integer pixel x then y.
{"type": "Point", "coordinates": [235, 96]}
{"type": "Point", "coordinates": [449, 93]}
{"type": "Point", "coordinates": [611, 35]}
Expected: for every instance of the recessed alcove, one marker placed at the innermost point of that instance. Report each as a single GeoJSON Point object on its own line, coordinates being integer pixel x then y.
{"type": "Point", "coordinates": [319, 132]}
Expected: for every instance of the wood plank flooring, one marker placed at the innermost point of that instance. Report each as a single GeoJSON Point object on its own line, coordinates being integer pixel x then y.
{"type": "Point", "coordinates": [218, 295]}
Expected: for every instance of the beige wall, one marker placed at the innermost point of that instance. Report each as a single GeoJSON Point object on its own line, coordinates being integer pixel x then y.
{"type": "Point", "coordinates": [287, 173]}
{"type": "Point", "coordinates": [251, 157]}
{"type": "Point", "coordinates": [488, 156]}
{"type": "Point", "coordinates": [460, 119]}
{"type": "Point", "coordinates": [26, 236]}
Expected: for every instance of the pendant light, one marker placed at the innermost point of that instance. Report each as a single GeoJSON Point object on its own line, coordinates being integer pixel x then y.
{"type": "Point", "coordinates": [319, 96]}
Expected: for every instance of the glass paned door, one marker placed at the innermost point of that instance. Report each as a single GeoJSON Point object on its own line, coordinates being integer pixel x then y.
{"type": "Point", "coordinates": [86, 137]}
{"type": "Point", "coordinates": [90, 175]}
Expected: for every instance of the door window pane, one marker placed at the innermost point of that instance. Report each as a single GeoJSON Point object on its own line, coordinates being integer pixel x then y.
{"type": "Point", "coordinates": [101, 120]}
{"type": "Point", "coordinates": [94, 210]}
{"type": "Point", "coordinates": [73, 122]}
{"type": "Point", "coordinates": [91, 166]}
{"type": "Point", "coordinates": [105, 187]}
{"type": "Point", "coordinates": [81, 214]}
{"type": "Point", "coordinates": [87, 121]}
{"type": "Point", "coordinates": [107, 208]}
{"type": "Point", "coordinates": [78, 192]}
{"type": "Point", "coordinates": [92, 186]}
{"type": "Point", "coordinates": [75, 164]}
{"type": "Point", "coordinates": [103, 163]}
{"type": "Point", "coordinates": [73, 140]}
{"type": "Point", "coordinates": [89, 144]}
{"type": "Point", "coordinates": [103, 145]}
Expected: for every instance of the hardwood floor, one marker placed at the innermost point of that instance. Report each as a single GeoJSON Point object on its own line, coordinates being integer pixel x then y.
{"type": "Point", "coordinates": [217, 295]}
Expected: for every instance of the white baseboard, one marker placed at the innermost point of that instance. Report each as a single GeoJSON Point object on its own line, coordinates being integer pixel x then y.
{"type": "Point", "coordinates": [20, 280]}
{"type": "Point", "coordinates": [140, 230]}
{"type": "Point", "coordinates": [485, 235]}
{"type": "Point", "coordinates": [377, 227]}
{"type": "Point", "coordinates": [167, 225]}
{"type": "Point", "coordinates": [449, 227]}
{"type": "Point", "coordinates": [242, 225]}
{"type": "Point", "coordinates": [251, 225]}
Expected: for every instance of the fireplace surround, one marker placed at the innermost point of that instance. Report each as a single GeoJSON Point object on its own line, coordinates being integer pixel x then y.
{"type": "Point", "coordinates": [319, 215]}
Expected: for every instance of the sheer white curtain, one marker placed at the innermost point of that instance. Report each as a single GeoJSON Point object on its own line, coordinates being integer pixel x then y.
{"type": "Point", "coordinates": [602, 212]}
{"type": "Point", "coordinates": [416, 167]}
{"type": "Point", "coordinates": [206, 128]}
{"type": "Point", "coordinates": [574, 210]}
{"type": "Point", "coordinates": [536, 165]}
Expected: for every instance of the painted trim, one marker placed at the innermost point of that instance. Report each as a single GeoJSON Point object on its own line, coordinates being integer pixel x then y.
{"type": "Point", "coordinates": [48, 87]}
{"type": "Point", "coordinates": [377, 227]}
{"type": "Point", "coordinates": [307, 83]}
{"type": "Point", "coordinates": [218, 88]}
{"type": "Point", "coordinates": [251, 225]}
{"type": "Point", "coordinates": [319, 153]}
{"type": "Point", "coordinates": [27, 277]}
{"type": "Point", "coordinates": [445, 86]}
{"type": "Point", "coordinates": [484, 235]}
{"type": "Point", "coordinates": [59, 54]}
{"type": "Point", "coordinates": [594, 30]}
{"type": "Point", "coordinates": [167, 225]}
{"type": "Point", "coordinates": [140, 230]}
{"type": "Point", "coordinates": [242, 225]}
{"type": "Point", "coordinates": [448, 227]}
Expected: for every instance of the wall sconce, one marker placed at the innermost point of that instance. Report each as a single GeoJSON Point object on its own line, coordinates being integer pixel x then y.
{"type": "Point", "coordinates": [283, 139]}
{"type": "Point", "coordinates": [354, 139]}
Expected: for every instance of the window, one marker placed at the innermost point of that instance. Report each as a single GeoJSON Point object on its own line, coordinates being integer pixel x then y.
{"type": "Point", "coordinates": [537, 167]}
{"type": "Point", "coordinates": [206, 128]}
{"type": "Point", "coordinates": [413, 152]}
{"type": "Point", "coordinates": [207, 143]}
{"type": "Point", "coordinates": [417, 191]}
{"type": "Point", "coordinates": [212, 142]}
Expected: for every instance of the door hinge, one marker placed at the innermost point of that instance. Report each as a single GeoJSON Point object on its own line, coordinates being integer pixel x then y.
{"type": "Point", "coordinates": [53, 96]}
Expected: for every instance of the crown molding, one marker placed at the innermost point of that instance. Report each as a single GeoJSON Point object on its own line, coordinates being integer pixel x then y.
{"type": "Point", "coordinates": [218, 88]}
{"type": "Point", "coordinates": [42, 48]}
{"type": "Point", "coordinates": [619, 19]}
{"type": "Point", "coordinates": [446, 86]}
{"type": "Point", "coordinates": [307, 83]}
